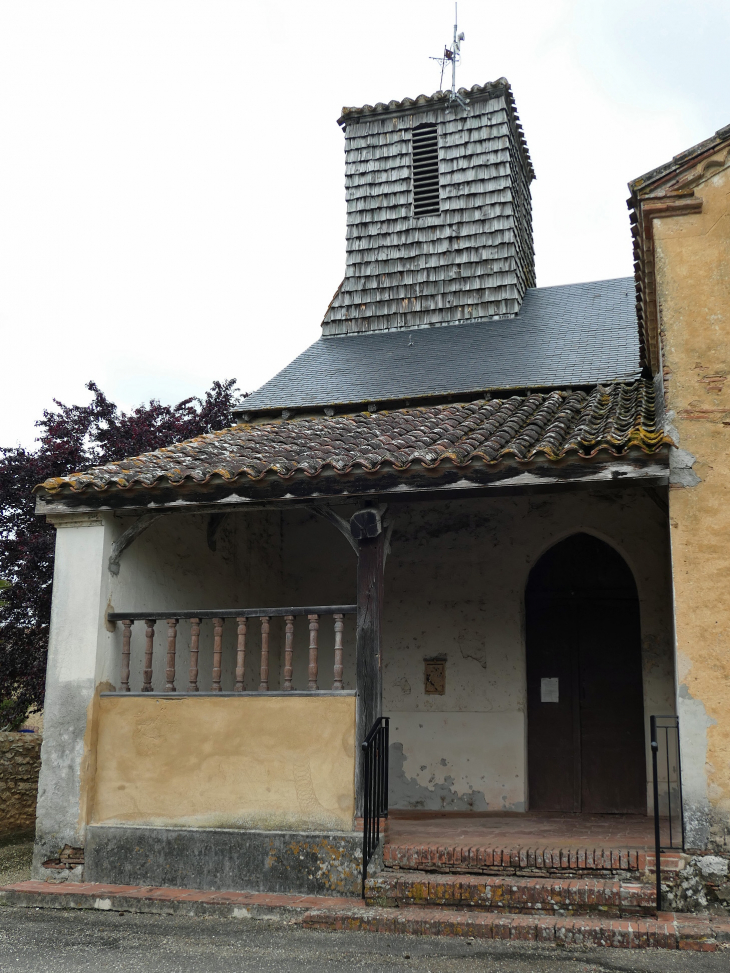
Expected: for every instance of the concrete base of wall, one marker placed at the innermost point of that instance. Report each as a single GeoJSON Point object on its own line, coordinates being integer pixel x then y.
{"type": "Point", "coordinates": [226, 860]}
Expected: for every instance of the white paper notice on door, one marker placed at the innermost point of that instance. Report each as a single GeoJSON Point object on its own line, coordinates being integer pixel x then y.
{"type": "Point", "coordinates": [549, 691]}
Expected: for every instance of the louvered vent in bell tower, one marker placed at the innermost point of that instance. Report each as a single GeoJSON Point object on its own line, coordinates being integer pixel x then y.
{"type": "Point", "coordinates": [425, 162]}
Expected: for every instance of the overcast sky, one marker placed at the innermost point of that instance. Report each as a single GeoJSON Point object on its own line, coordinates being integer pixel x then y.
{"type": "Point", "coordinates": [171, 173]}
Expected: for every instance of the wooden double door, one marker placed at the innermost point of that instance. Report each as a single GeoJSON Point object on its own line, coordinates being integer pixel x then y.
{"type": "Point", "coordinates": [585, 706]}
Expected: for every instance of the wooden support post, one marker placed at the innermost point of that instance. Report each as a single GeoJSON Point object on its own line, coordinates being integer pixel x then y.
{"type": "Point", "coordinates": [126, 646]}
{"type": "Point", "coordinates": [241, 654]}
{"type": "Point", "coordinates": [339, 627]}
{"type": "Point", "coordinates": [217, 654]}
{"type": "Point", "coordinates": [313, 651]}
{"type": "Point", "coordinates": [149, 644]}
{"type": "Point", "coordinates": [264, 684]}
{"type": "Point", "coordinates": [288, 650]}
{"type": "Point", "coordinates": [194, 647]}
{"type": "Point", "coordinates": [367, 530]}
{"type": "Point", "coordinates": [171, 644]}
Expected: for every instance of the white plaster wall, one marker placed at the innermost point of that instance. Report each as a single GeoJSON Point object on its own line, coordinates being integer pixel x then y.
{"type": "Point", "coordinates": [455, 589]}
{"type": "Point", "coordinates": [170, 566]}
{"type": "Point", "coordinates": [262, 558]}
{"type": "Point", "coordinates": [319, 568]}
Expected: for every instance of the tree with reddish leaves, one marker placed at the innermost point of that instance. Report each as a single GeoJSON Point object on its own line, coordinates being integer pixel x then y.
{"type": "Point", "coordinates": [72, 438]}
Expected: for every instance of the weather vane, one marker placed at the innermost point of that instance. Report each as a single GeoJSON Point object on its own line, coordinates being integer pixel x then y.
{"type": "Point", "coordinates": [452, 55]}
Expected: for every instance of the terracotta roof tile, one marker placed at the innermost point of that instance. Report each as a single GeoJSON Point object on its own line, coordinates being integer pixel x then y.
{"type": "Point", "coordinates": [538, 426]}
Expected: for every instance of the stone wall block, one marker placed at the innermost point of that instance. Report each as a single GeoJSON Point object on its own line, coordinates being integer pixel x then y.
{"type": "Point", "coordinates": [20, 762]}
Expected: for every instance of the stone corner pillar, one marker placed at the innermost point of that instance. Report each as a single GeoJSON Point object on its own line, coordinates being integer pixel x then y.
{"type": "Point", "coordinates": [77, 657]}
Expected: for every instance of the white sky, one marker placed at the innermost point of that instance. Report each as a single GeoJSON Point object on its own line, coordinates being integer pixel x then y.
{"type": "Point", "coordinates": [171, 173]}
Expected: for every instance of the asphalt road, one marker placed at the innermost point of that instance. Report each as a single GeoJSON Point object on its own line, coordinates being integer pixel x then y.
{"type": "Point", "coordinates": [63, 941]}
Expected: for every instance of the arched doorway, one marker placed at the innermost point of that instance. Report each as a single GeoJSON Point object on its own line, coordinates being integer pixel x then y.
{"type": "Point", "coordinates": [585, 706]}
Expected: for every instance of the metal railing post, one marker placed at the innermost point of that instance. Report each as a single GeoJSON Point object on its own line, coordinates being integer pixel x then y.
{"type": "Point", "coordinates": [657, 832]}
{"type": "Point", "coordinates": [375, 789]}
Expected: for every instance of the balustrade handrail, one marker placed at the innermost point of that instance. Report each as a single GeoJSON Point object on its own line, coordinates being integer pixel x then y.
{"type": "Point", "coordinates": [233, 613]}
{"type": "Point", "coordinates": [242, 615]}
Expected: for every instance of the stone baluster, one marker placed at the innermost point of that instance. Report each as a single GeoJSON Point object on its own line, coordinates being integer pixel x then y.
{"type": "Point", "coordinates": [126, 646]}
{"type": "Point", "coordinates": [339, 628]}
{"type": "Point", "coordinates": [194, 648]}
{"type": "Point", "coordinates": [171, 645]}
{"type": "Point", "coordinates": [241, 655]}
{"type": "Point", "coordinates": [217, 654]}
{"type": "Point", "coordinates": [149, 644]}
{"type": "Point", "coordinates": [288, 650]}
{"type": "Point", "coordinates": [313, 649]}
{"type": "Point", "coordinates": [264, 684]}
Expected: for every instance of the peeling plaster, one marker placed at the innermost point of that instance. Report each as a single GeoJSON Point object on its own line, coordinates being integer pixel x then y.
{"type": "Point", "coordinates": [457, 761]}
{"type": "Point", "coordinates": [680, 468]}
{"type": "Point", "coordinates": [695, 722]}
{"type": "Point", "coordinates": [407, 792]}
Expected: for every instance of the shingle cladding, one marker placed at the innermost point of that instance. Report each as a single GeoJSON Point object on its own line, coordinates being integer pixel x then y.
{"type": "Point", "coordinates": [522, 429]}
{"type": "Point", "coordinates": [475, 258]}
{"type": "Point", "coordinates": [578, 334]}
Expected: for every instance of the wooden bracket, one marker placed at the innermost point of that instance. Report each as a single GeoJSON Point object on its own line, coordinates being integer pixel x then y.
{"type": "Point", "coordinates": [368, 522]}
{"type": "Point", "coordinates": [124, 540]}
{"type": "Point", "coordinates": [324, 510]}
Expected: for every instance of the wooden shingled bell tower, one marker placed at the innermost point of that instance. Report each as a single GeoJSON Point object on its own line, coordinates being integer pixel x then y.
{"type": "Point", "coordinates": [439, 215]}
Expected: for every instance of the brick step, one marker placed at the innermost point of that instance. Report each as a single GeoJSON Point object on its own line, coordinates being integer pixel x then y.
{"type": "Point", "coordinates": [482, 860]}
{"type": "Point", "coordinates": [666, 932]}
{"type": "Point", "coordinates": [512, 894]}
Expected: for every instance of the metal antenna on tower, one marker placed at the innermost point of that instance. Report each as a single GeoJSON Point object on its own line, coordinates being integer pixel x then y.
{"type": "Point", "coordinates": [453, 54]}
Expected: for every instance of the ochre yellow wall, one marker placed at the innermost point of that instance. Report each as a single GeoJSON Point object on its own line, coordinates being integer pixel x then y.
{"type": "Point", "coordinates": [693, 290]}
{"type": "Point", "coordinates": [232, 762]}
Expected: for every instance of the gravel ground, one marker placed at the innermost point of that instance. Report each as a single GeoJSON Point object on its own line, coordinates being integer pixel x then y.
{"type": "Point", "coordinates": [64, 941]}
{"type": "Point", "coordinates": [15, 861]}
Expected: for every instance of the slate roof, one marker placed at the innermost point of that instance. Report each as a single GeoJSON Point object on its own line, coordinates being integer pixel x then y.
{"type": "Point", "coordinates": [538, 426]}
{"type": "Point", "coordinates": [577, 334]}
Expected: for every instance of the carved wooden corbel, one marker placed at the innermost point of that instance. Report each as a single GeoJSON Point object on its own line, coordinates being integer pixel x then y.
{"type": "Point", "coordinates": [124, 540]}
{"type": "Point", "coordinates": [324, 510]}
{"type": "Point", "coordinates": [366, 523]}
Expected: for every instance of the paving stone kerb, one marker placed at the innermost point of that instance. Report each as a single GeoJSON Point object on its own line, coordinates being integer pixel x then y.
{"type": "Point", "coordinates": [667, 931]}
{"type": "Point", "coordinates": [20, 763]}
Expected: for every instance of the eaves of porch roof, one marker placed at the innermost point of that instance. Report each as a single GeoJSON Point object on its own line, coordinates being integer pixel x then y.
{"type": "Point", "coordinates": [607, 433]}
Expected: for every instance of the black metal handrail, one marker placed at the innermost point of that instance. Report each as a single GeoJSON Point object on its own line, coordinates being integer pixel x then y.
{"type": "Point", "coordinates": [375, 795]}
{"type": "Point", "coordinates": [667, 724]}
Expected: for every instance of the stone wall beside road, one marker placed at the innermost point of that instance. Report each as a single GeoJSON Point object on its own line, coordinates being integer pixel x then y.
{"type": "Point", "coordinates": [20, 762]}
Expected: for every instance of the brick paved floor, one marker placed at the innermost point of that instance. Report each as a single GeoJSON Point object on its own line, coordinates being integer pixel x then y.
{"type": "Point", "coordinates": [516, 830]}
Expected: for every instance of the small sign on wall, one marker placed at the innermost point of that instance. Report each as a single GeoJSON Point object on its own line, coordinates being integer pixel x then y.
{"type": "Point", "coordinates": [549, 690]}
{"type": "Point", "coordinates": [435, 678]}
